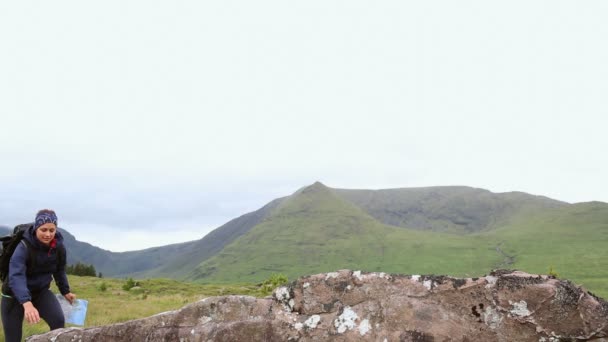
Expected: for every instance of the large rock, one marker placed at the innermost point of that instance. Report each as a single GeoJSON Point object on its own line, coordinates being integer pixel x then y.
{"type": "Point", "coordinates": [356, 306]}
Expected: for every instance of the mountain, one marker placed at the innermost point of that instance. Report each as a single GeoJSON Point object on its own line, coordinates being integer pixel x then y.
{"type": "Point", "coordinates": [316, 230]}
{"type": "Point", "coordinates": [296, 234]}
{"type": "Point", "coordinates": [319, 229]}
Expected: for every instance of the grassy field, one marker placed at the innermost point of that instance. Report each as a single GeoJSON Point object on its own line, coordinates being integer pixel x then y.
{"type": "Point", "coordinates": [114, 305]}
{"type": "Point", "coordinates": [572, 241]}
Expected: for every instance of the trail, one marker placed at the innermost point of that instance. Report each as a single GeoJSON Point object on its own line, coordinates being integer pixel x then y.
{"type": "Point", "coordinates": [508, 259]}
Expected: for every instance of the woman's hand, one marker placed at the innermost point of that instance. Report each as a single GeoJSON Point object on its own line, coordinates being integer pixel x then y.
{"type": "Point", "coordinates": [31, 313]}
{"type": "Point", "coordinates": [70, 297]}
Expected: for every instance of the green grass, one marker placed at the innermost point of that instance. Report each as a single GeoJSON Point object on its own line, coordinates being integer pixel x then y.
{"type": "Point", "coordinates": [114, 305]}
{"type": "Point", "coordinates": [573, 241]}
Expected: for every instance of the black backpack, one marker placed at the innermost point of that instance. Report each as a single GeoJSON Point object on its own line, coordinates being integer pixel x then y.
{"type": "Point", "coordinates": [9, 244]}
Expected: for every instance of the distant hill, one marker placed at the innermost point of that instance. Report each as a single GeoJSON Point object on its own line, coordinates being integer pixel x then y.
{"type": "Point", "coordinates": [171, 261]}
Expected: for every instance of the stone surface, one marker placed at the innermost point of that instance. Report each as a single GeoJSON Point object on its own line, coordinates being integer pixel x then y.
{"type": "Point", "coordinates": [355, 306]}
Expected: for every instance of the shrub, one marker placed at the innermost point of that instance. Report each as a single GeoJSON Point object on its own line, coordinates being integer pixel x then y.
{"type": "Point", "coordinates": [271, 283]}
{"type": "Point", "coordinates": [552, 272]}
{"type": "Point", "coordinates": [129, 284]}
{"type": "Point", "coordinates": [102, 287]}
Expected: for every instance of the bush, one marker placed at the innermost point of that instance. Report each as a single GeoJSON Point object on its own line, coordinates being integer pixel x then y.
{"type": "Point", "coordinates": [271, 283]}
{"type": "Point", "coordinates": [102, 287]}
{"type": "Point", "coordinates": [552, 272]}
{"type": "Point", "coordinates": [129, 284]}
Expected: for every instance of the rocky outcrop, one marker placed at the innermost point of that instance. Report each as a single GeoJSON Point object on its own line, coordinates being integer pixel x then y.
{"type": "Point", "coordinates": [356, 306]}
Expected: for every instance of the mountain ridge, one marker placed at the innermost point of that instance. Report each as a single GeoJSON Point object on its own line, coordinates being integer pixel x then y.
{"type": "Point", "coordinates": [455, 209]}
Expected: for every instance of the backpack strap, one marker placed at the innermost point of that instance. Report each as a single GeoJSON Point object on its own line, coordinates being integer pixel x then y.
{"type": "Point", "coordinates": [61, 256]}
{"type": "Point", "coordinates": [30, 261]}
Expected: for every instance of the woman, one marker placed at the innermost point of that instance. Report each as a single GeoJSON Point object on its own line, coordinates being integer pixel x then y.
{"type": "Point", "coordinates": [27, 292]}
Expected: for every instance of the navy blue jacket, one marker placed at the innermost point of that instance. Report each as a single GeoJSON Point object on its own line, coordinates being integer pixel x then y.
{"type": "Point", "coordinates": [23, 283]}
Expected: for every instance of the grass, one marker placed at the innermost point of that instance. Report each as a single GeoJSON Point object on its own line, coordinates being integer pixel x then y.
{"type": "Point", "coordinates": [572, 241]}
{"type": "Point", "coordinates": [375, 248]}
{"type": "Point", "coordinates": [579, 255]}
{"type": "Point", "coordinates": [115, 305]}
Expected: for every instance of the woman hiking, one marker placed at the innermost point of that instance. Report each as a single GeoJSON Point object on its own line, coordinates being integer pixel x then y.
{"type": "Point", "coordinates": [26, 292]}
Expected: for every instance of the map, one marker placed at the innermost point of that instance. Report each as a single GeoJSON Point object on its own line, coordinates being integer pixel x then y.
{"type": "Point", "coordinates": [74, 313]}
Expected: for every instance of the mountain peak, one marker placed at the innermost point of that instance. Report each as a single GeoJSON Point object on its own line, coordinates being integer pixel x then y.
{"type": "Point", "coordinates": [317, 198]}
{"type": "Point", "coordinates": [316, 187]}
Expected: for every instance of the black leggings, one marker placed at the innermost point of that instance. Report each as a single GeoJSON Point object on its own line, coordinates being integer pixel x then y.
{"type": "Point", "coordinates": [12, 314]}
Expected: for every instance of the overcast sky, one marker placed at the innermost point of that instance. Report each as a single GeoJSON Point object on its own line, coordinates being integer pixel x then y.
{"type": "Point", "coordinates": [144, 123]}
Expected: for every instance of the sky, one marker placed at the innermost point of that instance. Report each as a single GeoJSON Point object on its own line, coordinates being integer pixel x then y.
{"type": "Point", "coordinates": [145, 123]}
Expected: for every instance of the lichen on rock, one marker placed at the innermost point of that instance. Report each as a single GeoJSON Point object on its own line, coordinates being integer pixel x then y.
{"type": "Point", "coordinates": [346, 320]}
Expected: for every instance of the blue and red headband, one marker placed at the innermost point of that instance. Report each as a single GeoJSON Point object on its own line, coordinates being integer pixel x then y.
{"type": "Point", "coordinates": [45, 216]}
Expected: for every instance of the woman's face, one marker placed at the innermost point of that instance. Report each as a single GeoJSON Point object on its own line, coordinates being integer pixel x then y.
{"type": "Point", "coordinates": [46, 233]}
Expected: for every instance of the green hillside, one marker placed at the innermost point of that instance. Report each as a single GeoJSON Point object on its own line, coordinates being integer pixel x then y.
{"type": "Point", "coordinates": [316, 230]}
